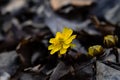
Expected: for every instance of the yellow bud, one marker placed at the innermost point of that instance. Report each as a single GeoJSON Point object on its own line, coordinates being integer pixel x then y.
{"type": "Point", "coordinates": [95, 50]}
{"type": "Point", "coordinates": [110, 40]}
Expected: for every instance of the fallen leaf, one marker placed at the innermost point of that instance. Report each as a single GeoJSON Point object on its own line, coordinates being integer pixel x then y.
{"type": "Point", "coordinates": [57, 4]}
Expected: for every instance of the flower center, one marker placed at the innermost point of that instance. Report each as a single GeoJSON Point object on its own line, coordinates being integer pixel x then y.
{"type": "Point", "coordinates": [61, 40]}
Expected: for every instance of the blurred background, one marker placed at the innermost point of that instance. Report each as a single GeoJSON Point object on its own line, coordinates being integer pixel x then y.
{"type": "Point", "coordinates": [27, 25]}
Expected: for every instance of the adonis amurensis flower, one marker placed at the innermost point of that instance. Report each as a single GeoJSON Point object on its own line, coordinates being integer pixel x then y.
{"type": "Point", "coordinates": [95, 50]}
{"type": "Point", "coordinates": [110, 40]}
{"type": "Point", "coordinates": [62, 41]}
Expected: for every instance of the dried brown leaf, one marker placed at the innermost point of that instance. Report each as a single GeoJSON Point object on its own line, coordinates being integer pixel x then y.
{"type": "Point", "coordinates": [57, 4]}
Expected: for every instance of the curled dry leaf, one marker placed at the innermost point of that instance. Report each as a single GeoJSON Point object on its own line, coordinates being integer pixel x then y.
{"type": "Point", "coordinates": [29, 47]}
{"type": "Point", "coordinates": [105, 28]}
{"type": "Point", "coordinates": [105, 72]}
{"type": "Point", "coordinates": [57, 4]}
{"type": "Point", "coordinates": [14, 5]}
{"type": "Point", "coordinates": [60, 71]}
{"type": "Point", "coordinates": [34, 69]}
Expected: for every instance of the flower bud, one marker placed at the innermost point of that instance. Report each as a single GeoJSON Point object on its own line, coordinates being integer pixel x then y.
{"type": "Point", "coordinates": [110, 40]}
{"type": "Point", "coordinates": [95, 50]}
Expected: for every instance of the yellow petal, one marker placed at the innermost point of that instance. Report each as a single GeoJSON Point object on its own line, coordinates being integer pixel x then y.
{"type": "Point", "coordinates": [91, 51]}
{"type": "Point", "coordinates": [68, 41]}
{"type": "Point", "coordinates": [58, 35]}
{"type": "Point", "coordinates": [55, 49]}
{"type": "Point", "coordinates": [65, 46]}
{"type": "Point", "coordinates": [52, 52]}
{"type": "Point", "coordinates": [50, 47]}
{"type": "Point", "coordinates": [52, 40]}
{"type": "Point", "coordinates": [67, 32]}
{"type": "Point", "coordinates": [98, 48]}
{"type": "Point", "coordinates": [63, 51]}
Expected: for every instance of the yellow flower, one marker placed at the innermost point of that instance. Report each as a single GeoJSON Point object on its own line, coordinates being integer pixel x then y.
{"type": "Point", "coordinates": [110, 40]}
{"type": "Point", "coordinates": [62, 41]}
{"type": "Point", "coordinates": [95, 50]}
